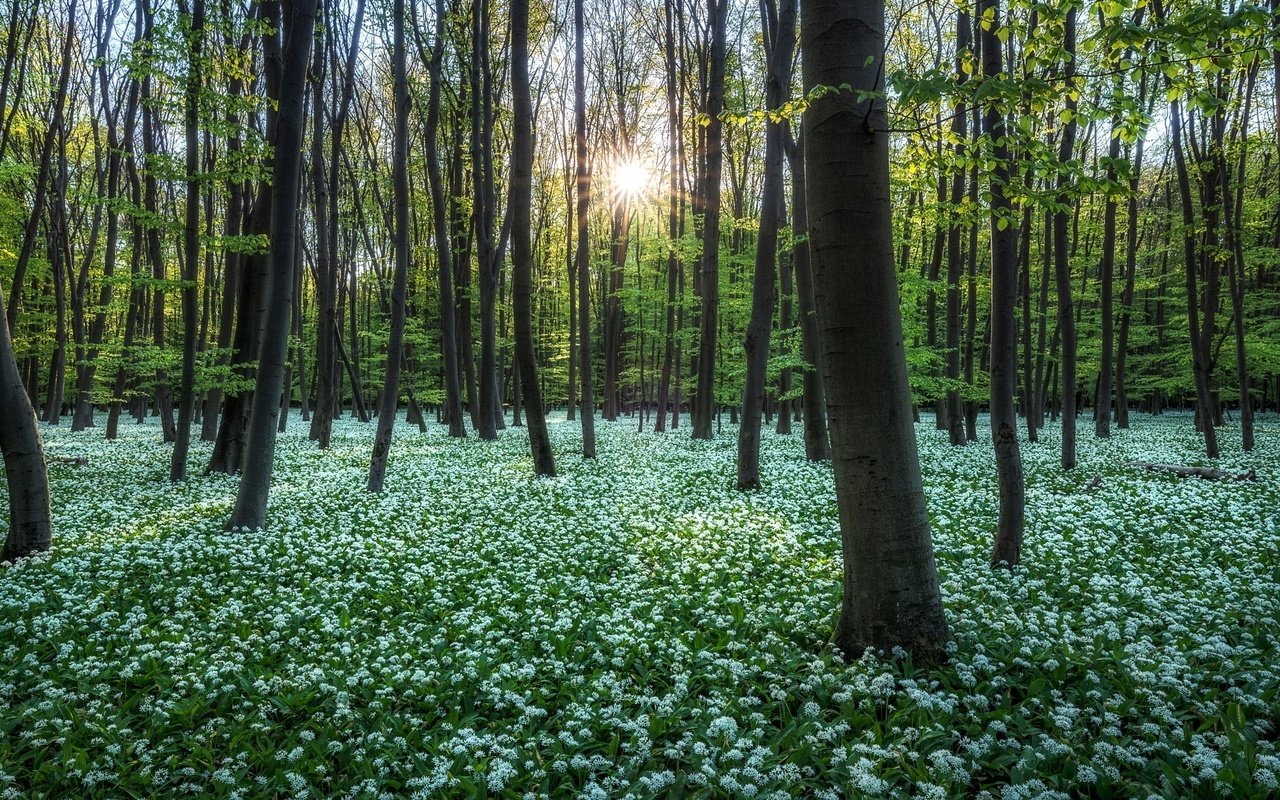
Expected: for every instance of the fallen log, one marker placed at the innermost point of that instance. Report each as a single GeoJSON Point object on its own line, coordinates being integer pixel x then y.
{"type": "Point", "coordinates": [76, 461]}
{"type": "Point", "coordinates": [1207, 473]}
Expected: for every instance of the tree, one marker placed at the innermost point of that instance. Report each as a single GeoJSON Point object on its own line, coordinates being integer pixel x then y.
{"type": "Point", "coordinates": [955, 261]}
{"type": "Point", "coordinates": [779, 22]}
{"type": "Point", "coordinates": [674, 212]}
{"type": "Point", "coordinates": [704, 401]}
{"type": "Point", "coordinates": [1004, 294]}
{"type": "Point", "coordinates": [439, 218]}
{"type": "Point", "coordinates": [255, 483]}
{"type": "Point", "coordinates": [891, 594]}
{"type": "Point", "coordinates": [1062, 252]}
{"type": "Point", "coordinates": [30, 517]}
{"type": "Point", "coordinates": [817, 446]}
{"type": "Point", "coordinates": [521, 245]}
{"type": "Point", "coordinates": [191, 240]}
{"type": "Point", "coordinates": [582, 257]}
{"type": "Point", "coordinates": [400, 236]}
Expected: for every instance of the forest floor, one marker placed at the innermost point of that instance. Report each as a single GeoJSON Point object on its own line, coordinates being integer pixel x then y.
{"type": "Point", "coordinates": [635, 627]}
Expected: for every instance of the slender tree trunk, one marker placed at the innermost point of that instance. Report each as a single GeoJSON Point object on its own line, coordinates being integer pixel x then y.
{"type": "Point", "coordinates": [891, 594]}
{"type": "Point", "coordinates": [522, 244]}
{"type": "Point", "coordinates": [134, 292]}
{"type": "Point", "coordinates": [115, 158]}
{"type": "Point", "coordinates": [251, 499]}
{"type": "Point", "coordinates": [400, 235]}
{"type": "Point", "coordinates": [583, 253]}
{"type": "Point", "coordinates": [817, 446]}
{"type": "Point", "coordinates": [673, 215]}
{"type": "Point", "coordinates": [326, 270]}
{"type": "Point", "coordinates": [42, 172]}
{"type": "Point", "coordinates": [191, 245]}
{"type": "Point", "coordinates": [613, 323]}
{"type": "Point", "coordinates": [779, 22]}
{"type": "Point", "coordinates": [1004, 298]}
{"type": "Point", "coordinates": [955, 261]}
{"type": "Point", "coordinates": [704, 402]}
{"type": "Point", "coordinates": [1233, 207]}
{"type": "Point", "coordinates": [1062, 261]}
{"type": "Point", "coordinates": [1106, 280]}
{"type": "Point", "coordinates": [444, 255]}
{"type": "Point", "coordinates": [483, 210]}
{"type": "Point", "coordinates": [787, 325]}
{"type": "Point", "coordinates": [1200, 355]}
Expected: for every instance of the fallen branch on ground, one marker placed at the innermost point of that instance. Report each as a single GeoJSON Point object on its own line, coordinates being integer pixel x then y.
{"type": "Point", "coordinates": [1207, 473]}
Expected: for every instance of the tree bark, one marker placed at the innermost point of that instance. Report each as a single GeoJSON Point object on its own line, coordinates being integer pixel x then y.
{"type": "Point", "coordinates": [444, 255]}
{"type": "Point", "coordinates": [390, 395]}
{"type": "Point", "coordinates": [30, 517]}
{"type": "Point", "coordinates": [891, 595]}
{"type": "Point", "coordinates": [779, 23]}
{"type": "Point", "coordinates": [955, 262]}
{"type": "Point", "coordinates": [1062, 260]}
{"type": "Point", "coordinates": [704, 401]}
{"type": "Point", "coordinates": [521, 241]}
{"type": "Point", "coordinates": [817, 445]}
{"type": "Point", "coordinates": [1004, 297]}
{"type": "Point", "coordinates": [191, 248]}
{"type": "Point", "coordinates": [255, 483]}
{"type": "Point", "coordinates": [583, 254]}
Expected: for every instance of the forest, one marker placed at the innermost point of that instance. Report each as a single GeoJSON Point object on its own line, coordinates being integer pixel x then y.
{"type": "Point", "coordinates": [676, 398]}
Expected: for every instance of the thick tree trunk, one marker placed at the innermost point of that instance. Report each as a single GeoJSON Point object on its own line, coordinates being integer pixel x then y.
{"type": "Point", "coordinates": [30, 518]}
{"type": "Point", "coordinates": [891, 594]}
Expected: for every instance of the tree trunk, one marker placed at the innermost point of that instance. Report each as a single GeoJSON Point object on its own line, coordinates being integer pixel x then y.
{"type": "Point", "coordinates": [891, 595]}
{"type": "Point", "coordinates": [673, 216]}
{"type": "Point", "coordinates": [817, 446]}
{"type": "Point", "coordinates": [390, 395]}
{"type": "Point", "coordinates": [444, 255]}
{"type": "Point", "coordinates": [522, 244]}
{"type": "Point", "coordinates": [955, 262]}
{"type": "Point", "coordinates": [704, 402]}
{"type": "Point", "coordinates": [779, 23]}
{"type": "Point", "coordinates": [1004, 298]}
{"type": "Point", "coordinates": [30, 518]}
{"type": "Point", "coordinates": [251, 499]}
{"type": "Point", "coordinates": [1106, 280]}
{"type": "Point", "coordinates": [583, 254]}
{"type": "Point", "coordinates": [191, 245]}
{"type": "Point", "coordinates": [1062, 261]}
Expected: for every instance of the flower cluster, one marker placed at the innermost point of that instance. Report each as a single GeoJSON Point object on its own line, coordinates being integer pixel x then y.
{"type": "Point", "coordinates": [634, 628]}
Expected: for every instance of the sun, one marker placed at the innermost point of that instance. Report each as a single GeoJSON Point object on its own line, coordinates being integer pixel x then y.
{"type": "Point", "coordinates": [630, 178]}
